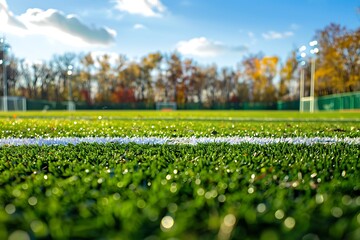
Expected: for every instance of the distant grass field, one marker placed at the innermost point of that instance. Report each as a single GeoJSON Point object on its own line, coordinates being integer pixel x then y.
{"type": "Point", "coordinates": [205, 191]}
{"type": "Point", "coordinates": [190, 114]}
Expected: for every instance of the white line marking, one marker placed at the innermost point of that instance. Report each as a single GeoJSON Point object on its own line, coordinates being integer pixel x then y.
{"type": "Point", "coordinates": [189, 141]}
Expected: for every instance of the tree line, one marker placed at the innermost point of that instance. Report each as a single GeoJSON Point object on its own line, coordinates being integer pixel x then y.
{"type": "Point", "coordinates": [161, 77]}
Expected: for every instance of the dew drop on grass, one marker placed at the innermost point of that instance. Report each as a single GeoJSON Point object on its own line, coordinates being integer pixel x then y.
{"type": "Point", "coordinates": [208, 195]}
{"type": "Point", "coordinates": [229, 220]}
{"type": "Point", "coordinates": [319, 198]}
{"type": "Point", "coordinates": [173, 188]}
{"type": "Point", "coordinates": [357, 201]}
{"type": "Point", "coordinates": [19, 234]}
{"type": "Point", "coordinates": [38, 226]}
{"type": "Point", "coordinates": [141, 203]}
{"type": "Point", "coordinates": [32, 201]}
{"type": "Point", "coordinates": [221, 198]}
{"type": "Point", "coordinates": [200, 191]}
{"type": "Point", "coordinates": [346, 200]}
{"type": "Point", "coordinates": [116, 196]}
{"type": "Point", "coordinates": [16, 192]}
{"type": "Point", "coordinates": [10, 209]}
{"type": "Point", "coordinates": [279, 214]}
{"type": "Point", "coordinates": [197, 181]}
{"type": "Point", "coordinates": [289, 222]}
{"type": "Point", "coordinates": [336, 212]}
{"type": "Point", "coordinates": [167, 223]}
{"type": "Point", "coordinates": [261, 208]}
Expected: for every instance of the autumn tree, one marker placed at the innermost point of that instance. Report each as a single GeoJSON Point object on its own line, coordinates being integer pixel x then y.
{"type": "Point", "coordinates": [288, 77]}
{"type": "Point", "coordinates": [85, 77]}
{"type": "Point", "coordinates": [61, 78]}
{"type": "Point", "coordinates": [338, 68]}
{"type": "Point", "coordinates": [104, 76]}
{"type": "Point", "coordinates": [12, 74]}
{"type": "Point", "coordinates": [175, 76]}
{"type": "Point", "coordinates": [261, 71]}
{"type": "Point", "coordinates": [149, 63]}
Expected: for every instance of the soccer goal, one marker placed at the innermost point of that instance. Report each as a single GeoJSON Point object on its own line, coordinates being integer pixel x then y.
{"type": "Point", "coordinates": [13, 103]}
{"type": "Point", "coordinates": [166, 106]}
{"type": "Point", "coordinates": [308, 104]}
{"type": "Point", "coordinates": [71, 106]}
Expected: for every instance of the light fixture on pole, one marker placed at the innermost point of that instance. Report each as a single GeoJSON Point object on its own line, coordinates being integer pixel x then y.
{"type": "Point", "coordinates": [303, 59]}
{"type": "Point", "coordinates": [313, 51]}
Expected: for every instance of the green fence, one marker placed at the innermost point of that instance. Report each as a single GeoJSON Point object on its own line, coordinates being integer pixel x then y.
{"type": "Point", "coordinates": [339, 101]}
{"type": "Point", "coordinates": [330, 102]}
{"type": "Point", "coordinates": [288, 105]}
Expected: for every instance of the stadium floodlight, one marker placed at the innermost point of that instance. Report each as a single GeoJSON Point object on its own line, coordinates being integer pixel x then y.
{"type": "Point", "coordinates": [302, 48]}
{"type": "Point", "coordinates": [303, 57]}
{"type": "Point", "coordinates": [313, 43]}
{"type": "Point", "coordinates": [70, 70]}
{"type": "Point", "coordinates": [313, 51]}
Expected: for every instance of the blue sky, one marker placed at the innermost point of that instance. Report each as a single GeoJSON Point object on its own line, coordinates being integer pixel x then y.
{"type": "Point", "coordinates": [209, 31]}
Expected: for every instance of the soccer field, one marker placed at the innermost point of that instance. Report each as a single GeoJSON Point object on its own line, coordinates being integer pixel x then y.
{"type": "Point", "coordinates": [179, 175]}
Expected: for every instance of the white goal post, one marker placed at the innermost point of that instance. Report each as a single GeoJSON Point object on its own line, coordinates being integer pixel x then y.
{"type": "Point", "coordinates": [308, 104]}
{"type": "Point", "coordinates": [13, 103]}
{"type": "Point", "coordinates": [166, 106]}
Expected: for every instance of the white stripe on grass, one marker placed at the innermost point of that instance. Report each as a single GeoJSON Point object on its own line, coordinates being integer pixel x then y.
{"type": "Point", "coordinates": [190, 141]}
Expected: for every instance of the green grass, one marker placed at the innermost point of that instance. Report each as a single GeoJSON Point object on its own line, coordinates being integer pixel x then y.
{"type": "Point", "coordinates": [124, 191]}
{"type": "Point", "coordinates": [262, 115]}
{"type": "Point", "coordinates": [106, 127]}
{"type": "Point", "coordinates": [114, 191]}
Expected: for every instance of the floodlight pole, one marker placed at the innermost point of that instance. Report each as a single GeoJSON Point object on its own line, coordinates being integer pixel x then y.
{"type": "Point", "coordinates": [302, 81]}
{"type": "Point", "coordinates": [69, 73]}
{"type": "Point", "coordinates": [312, 86]}
{"type": "Point", "coordinates": [5, 103]}
{"type": "Point", "coordinates": [302, 76]}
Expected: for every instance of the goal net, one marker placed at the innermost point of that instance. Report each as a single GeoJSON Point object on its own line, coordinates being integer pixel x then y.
{"type": "Point", "coordinates": [13, 103]}
{"type": "Point", "coordinates": [166, 106]}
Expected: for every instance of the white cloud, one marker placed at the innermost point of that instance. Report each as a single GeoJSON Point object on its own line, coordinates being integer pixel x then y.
{"type": "Point", "coordinates": [139, 26]}
{"type": "Point", "coordinates": [277, 35]}
{"type": "Point", "coordinates": [146, 8]}
{"type": "Point", "coordinates": [54, 25]}
{"type": "Point", "coordinates": [203, 47]}
{"type": "Point", "coordinates": [8, 20]}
